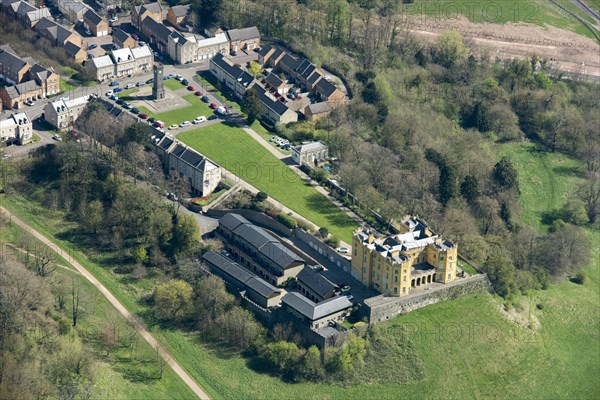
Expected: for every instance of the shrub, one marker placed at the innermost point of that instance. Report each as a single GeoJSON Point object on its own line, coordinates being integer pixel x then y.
{"type": "Point", "coordinates": [580, 278]}
{"type": "Point", "coordinates": [261, 196]}
{"type": "Point", "coordinates": [323, 232]}
{"type": "Point", "coordinates": [332, 242]}
{"type": "Point", "coordinates": [287, 220]}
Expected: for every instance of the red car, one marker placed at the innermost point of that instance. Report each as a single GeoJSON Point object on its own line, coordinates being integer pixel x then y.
{"type": "Point", "coordinates": [143, 116]}
{"type": "Point", "coordinates": [213, 106]}
{"type": "Point", "coordinates": [198, 93]}
{"type": "Point", "coordinates": [191, 88]}
{"type": "Point", "coordinates": [135, 37]}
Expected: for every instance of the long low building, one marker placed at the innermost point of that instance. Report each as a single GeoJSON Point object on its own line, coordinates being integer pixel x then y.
{"type": "Point", "coordinates": [258, 250]}
{"type": "Point", "coordinates": [204, 175]}
{"type": "Point", "coordinates": [317, 315]}
{"type": "Point", "coordinates": [17, 128]}
{"type": "Point", "coordinates": [254, 288]}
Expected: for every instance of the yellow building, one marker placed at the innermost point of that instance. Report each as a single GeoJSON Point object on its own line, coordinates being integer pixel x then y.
{"type": "Point", "coordinates": [395, 264]}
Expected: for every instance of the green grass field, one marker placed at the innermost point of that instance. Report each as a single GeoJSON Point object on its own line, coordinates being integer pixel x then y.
{"type": "Point", "coordinates": [536, 12]}
{"type": "Point", "coordinates": [66, 86]}
{"type": "Point", "coordinates": [177, 116]}
{"type": "Point", "coordinates": [239, 153]}
{"type": "Point", "coordinates": [127, 95]}
{"type": "Point", "coordinates": [173, 84]}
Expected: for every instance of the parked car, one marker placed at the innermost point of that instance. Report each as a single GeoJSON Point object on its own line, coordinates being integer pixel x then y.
{"type": "Point", "coordinates": [184, 124]}
{"type": "Point", "coordinates": [135, 110]}
{"type": "Point", "coordinates": [113, 97]}
{"type": "Point", "coordinates": [179, 77]}
{"type": "Point", "coordinates": [221, 110]}
{"type": "Point", "coordinates": [149, 81]}
{"type": "Point", "coordinates": [212, 117]}
{"type": "Point", "coordinates": [205, 99]}
{"type": "Point", "coordinates": [174, 126]}
{"type": "Point", "coordinates": [142, 116]}
{"type": "Point", "coordinates": [127, 106]}
{"type": "Point", "coordinates": [198, 93]}
{"type": "Point", "coordinates": [213, 106]}
{"type": "Point", "coordinates": [92, 47]}
{"type": "Point", "coordinates": [140, 84]}
{"type": "Point", "coordinates": [120, 102]}
{"type": "Point", "coordinates": [113, 83]}
{"type": "Point", "coordinates": [225, 253]}
{"type": "Point", "coordinates": [90, 56]}
{"type": "Point", "coordinates": [117, 90]}
{"type": "Point", "coordinates": [191, 88]}
{"type": "Point", "coordinates": [185, 82]}
{"type": "Point", "coordinates": [109, 93]}
{"type": "Point", "coordinates": [199, 119]}
{"type": "Point", "coordinates": [172, 196]}
{"type": "Point", "coordinates": [57, 138]}
{"type": "Point", "coordinates": [114, 19]}
{"type": "Point", "coordinates": [273, 139]}
{"type": "Point", "coordinates": [29, 103]}
{"type": "Point", "coordinates": [151, 120]}
{"type": "Point", "coordinates": [129, 86]}
{"type": "Point", "coordinates": [285, 147]}
{"type": "Point", "coordinates": [141, 43]}
{"type": "Point", "coordinates": [342, 250]}
{"type": "Point", "coordinates": [159, 124]}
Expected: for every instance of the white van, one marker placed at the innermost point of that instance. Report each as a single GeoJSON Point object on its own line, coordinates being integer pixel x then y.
{"type": "Point", "coordinates": [221, 110]}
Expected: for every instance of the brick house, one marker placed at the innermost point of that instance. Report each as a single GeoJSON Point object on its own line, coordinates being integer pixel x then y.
{"type": "Point", "coordinates": [244, 39]}
{"type": "Point", "coordinates": [177, 15]}
{"type": "Point", "coordinates": [95, 24]}
{"type": "Point", "coordinates": [154, 11]}
{"type": "Point", "coordinates": [122, 39]}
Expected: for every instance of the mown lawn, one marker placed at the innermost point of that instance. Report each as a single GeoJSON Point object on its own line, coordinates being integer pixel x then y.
{"type": "Point", "coordinates": [65, 86]}
{"type": "Point", "coordinates": [536, 12]}
{"type": "Point", "coordinates": [239, 153]}
{"type": "Point", "coordinates": [173, 84]}
{"type": "Point", "coordinates": [196, 108]}
{"type": "Point", "coordinates": [127, 94]}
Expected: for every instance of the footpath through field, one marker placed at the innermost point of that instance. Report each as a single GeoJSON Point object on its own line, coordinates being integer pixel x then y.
{"type": "Point", "coordinates": [113, 300]}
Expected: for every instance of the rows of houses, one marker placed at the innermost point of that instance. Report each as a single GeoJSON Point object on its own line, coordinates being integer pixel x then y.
{"type": "Point", "coordinates": [182, 46]}
{"type": "Point", "coordinates": [17, 128]}
{"type": "Point", "coordinates": [25, 80]}
{"type": "Point", "coordinates": [121, 62]}
{"type": "Point", "coordinates": [257, 262]}
{"type": "Point", "coordinates": [271, 89]}
{"type": "Point", "coordinates": [204, 175]}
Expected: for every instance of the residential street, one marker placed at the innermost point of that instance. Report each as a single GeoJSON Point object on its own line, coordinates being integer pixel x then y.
{"type": "Point", "coordinates": [113, 300]}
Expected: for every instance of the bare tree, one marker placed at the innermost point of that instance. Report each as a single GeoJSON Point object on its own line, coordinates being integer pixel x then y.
{"type": "Point", "coordinates": [45, 261]}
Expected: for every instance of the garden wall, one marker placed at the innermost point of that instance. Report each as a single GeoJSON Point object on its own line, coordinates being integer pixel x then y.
{"type": "Point", "coordinates": [323, 249]}
{"type": "Point", "coordinates": [380, 308]}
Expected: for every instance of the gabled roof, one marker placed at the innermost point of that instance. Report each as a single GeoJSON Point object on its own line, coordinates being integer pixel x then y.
{"type": "Point", "coordinates": [316, 282]}
{"type": "Point", "coordinates": [273, 80]}
{"type": "Point", "coordinates": [243, 34]}
{"type": "Point", "coordinates": [122, 55]}
{"type": "Point", "coordinates": [262, 287]}
{"type": "Point", "coordinates": [181, 11]}
{"type": "Point", "coordinates": [155, 8]}
{"type": "Point", "coordinates": [140, 52]}
{"type": "Point", "coordinates": [12, 61]}
{"type": "Point", "coordinates": [71, 49]}
{"type": "Point", "coordinates": [191, 157]}
{"type": "Point", "coordinates": [265, 50]}
{"type": "Point", "coordinates": [318, 108]}
{"type": "Point", "coordinates": [44, 23]}
{"type": "Point", "coordinates": [101, 62]}
{"type": "Point", "coordinates": [227, 266]}
{"type": "Point", "coordinates": [289, 63]}
{"type": "Point", "coordinates": [224, 64]}
{"type": "Point", "coordinates": [232, 221]}
{"type": "Point", "coordinates": [314, 311]}
{"type": "Point", "coordinates": [120, 35]}
{"type": "Point", "coordinates": [304, 64]}
{"type": "Point", "coordinates": [40, 72]}
{"type": "Point", "coordinates": [158, 29]}
{"type": "Point", "coordinates": [325, 88]}
{"type": "Point", "coordinates": [312, 146]}
{"type": "Point", "coordinates": [257, 237]}
{"type": "Point", "coordinates": [12, 91]}
{"type": "Point", "coordinates": [91, 16]}
{"type": "Point", "coordinates": [314, 78]}
{"type": "Point", "coordinates": [308, 71]}
{"type": "Point", "coordinates": [21, 8]}
{"type": "Point", "coordinates": [178, 150]}
{"type": "Point", "coordinates": [280, 255]}
{"type": "Point", "coordinates": [278, 107]}
{"type": "Point", "coordinates": [165, 143]}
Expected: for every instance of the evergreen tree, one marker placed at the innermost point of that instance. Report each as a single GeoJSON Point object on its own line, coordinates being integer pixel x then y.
{"type": "Point", "coordinates": [505, 174]}
{"type": "Point", "coordinates": [251, 106]}
{"type": "Point", "coordinates": [469, 189]}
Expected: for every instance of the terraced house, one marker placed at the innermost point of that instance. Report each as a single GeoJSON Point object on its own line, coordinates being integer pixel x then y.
{"type": "Point", "coordinates": [188, 48]}
{"type": "Point", "coordinates": [16, 128]}
{"type": "Point", "coordinates": [396, 264]}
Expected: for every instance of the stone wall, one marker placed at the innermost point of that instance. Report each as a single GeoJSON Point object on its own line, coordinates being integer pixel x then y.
{"type": "Point", "coordinates": [323, 249]}
{"type": "Point", "coordinates": [380, 308]}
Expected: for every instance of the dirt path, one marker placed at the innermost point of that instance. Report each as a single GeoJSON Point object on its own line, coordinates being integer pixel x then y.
{"type": "Point", "coordinates": [113, 300]}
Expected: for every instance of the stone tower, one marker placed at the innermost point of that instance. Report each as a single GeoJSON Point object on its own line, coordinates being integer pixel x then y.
{"type": "Point", "coordinates": [158, 90]}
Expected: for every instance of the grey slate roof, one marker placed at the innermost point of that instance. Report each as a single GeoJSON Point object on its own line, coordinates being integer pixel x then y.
{"type": "Point", "coordinates": [316, 282]}
{"type": "Point", "coordinates": [71, 49]}
{"type": "Point", "coordinates": [232, 221]}
{"type": "Point", "coordinates": [243, 34]}
{"type": "Point", "coordinates": [178, 150]}
{"type": "Point", "coordinates": [265, 50]}
{"type": "Point", "coordinates": [325, 88]}
{"type": "Point", "coordinates": [229, 69]}
{"type": "Point", "coordinates": [181, 11]}
{"type": "Point", "coordinates": [229, 267]}
{"type": "Point", "coordinates": [254, 235]}
{"type": "Point", "coordinates": [322, 107]}
{"type": "Point", "coordinates": [314, 311]}
{"type": "Point", "coordinates": [152, 7]}
{"type": "Point", "coordinates": [314, 78]}
{"type": "Point", "coordinates": [157, 29]}
{"type": "Point", "coordinates": [280, 255]}
{"type": "Point", "coordinates": [12, 61]}
{"type": "Point", "coordinates": [91, 16]}
{"type": "Point", "coordinates": [273, 80]}
{"type": "Point", "coordinates": [262, 287]}
{"type": "Point", "coordinates": [41, 72]}
{"type": "Point", "coordinates": [120, 35]}
{"type": "Point", "coordinates": [278, 107]}
{"type": "Point", "coordinates": [192, 158]}
{"type": "Point", "coordinates": [289, 63]}
{"type": "Point", "coordinates": [165, 143]}
{"type": "Point", "coordinates": [304, 64]}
